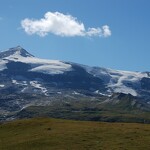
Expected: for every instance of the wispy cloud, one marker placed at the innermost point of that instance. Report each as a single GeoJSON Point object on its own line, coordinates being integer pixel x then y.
{"type": "Point", "coordinates": [1, 18]}
{"type": "Point", "coordinates": [62, 25]}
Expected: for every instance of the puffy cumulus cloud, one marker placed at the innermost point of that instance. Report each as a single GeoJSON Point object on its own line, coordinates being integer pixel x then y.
{"type": "Point", "coordinates": [56, 23]}
{"type": "Point", "coordinates": [106, 32]}
{"type": "Point", "coordinates": [61, 25]}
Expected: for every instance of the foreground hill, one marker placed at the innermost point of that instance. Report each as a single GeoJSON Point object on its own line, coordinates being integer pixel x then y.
{"type": "Point", "coordinates": [55, 134]}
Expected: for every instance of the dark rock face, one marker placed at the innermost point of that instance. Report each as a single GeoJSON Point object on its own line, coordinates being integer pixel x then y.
{"type": "Point", "coordinates": [76, 79]}
{"type": "Point", "coordinates": [16, 68]}
{"type": "Point", "coordinates": [145, 83]}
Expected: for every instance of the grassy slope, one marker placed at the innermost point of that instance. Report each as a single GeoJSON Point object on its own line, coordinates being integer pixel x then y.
{"type": "Point", "coordinates": [57, 134]}
{"type": "Point", "coordinates": [86, 111]}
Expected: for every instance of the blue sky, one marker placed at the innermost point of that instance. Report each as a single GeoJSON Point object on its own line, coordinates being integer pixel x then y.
{"type": "Point", "coordinates": [125, 47]}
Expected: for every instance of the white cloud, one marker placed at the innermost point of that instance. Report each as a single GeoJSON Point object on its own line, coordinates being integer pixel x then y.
{"type": "Point", "coordinates": [106, 31]}
{"type": "Point", "coordinates": [94, 32]}
{"type": "Point", "coordinates": [1, 18]}
{"type": "Point", "coordinates": [62, 25]}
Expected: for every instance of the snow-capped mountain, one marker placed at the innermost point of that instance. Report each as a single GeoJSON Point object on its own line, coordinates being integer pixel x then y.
{"type": "Point", "coordinates": [21, 73]}
{"type": "Point", "coordinates": [20, 64]}
{"type": "Point", "coordinates": [18, 54]}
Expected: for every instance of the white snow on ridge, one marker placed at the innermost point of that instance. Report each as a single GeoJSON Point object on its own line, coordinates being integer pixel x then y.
{"type": "Point", "coordinates": [19, 82]}
{"type": "Point", "coordinates": [117, 80]}
{"type": "Point", "coordinates": [52, 68]}
{"type": "Point", "coordinates": [76, 93]}
{"type": "Point", "coordinates": [2, 65]}
{"type": "Point", "coordinates": [15, 82]}
{"type": "Point", "coordinates": [41, 65]}
{"type": "Point", "coordinates": [98, 92]}
{"type": "Point", "coordinates": [1, 85]}
{"type": "Point", "coordinates": [124, 89]}
{"type": "Point", "coordinates": [38, 86]}
{"type": "Point", "coordinates": [23, 90]}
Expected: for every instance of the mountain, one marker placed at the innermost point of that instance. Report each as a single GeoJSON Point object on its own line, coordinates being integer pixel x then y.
{"type": "Point", "coordinates": [28, 82]}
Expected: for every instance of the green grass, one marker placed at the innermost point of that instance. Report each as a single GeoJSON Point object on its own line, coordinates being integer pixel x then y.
{"type": "Point", "coordinates": [58, 134]}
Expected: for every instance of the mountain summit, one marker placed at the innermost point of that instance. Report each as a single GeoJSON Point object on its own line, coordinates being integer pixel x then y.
{"type": "Point", "coordinates": [29, 81]}
{"type": "Point", "coordinates": [15, 51]}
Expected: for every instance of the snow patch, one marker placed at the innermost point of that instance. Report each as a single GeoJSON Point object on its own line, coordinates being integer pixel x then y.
{"type": "Point", "coordinates": [117, 80]}
{"type": "Point", "coordinates": [24, 89]}
{"type": "Point", "coordinates": [2, 85]}
{"type": "Point", "coordinates": [38, 86]}
{"type": "Point", "coordinates": [41, 65]}
{"type": "Point", "coordinates": [98, 92]}
{"type": "Point", "coordinates": [125, 90]}
{"type": "Point", "coordinates": [3, 65]}
{"type": "Point", "coordinates": [76, 93]}
{"type": "Point", "coordinates": [19, 82]}
{"type": "Point", "coordinates": [51, 69]}
{"type": "Point", "coordinates": [59, 92]}
{"type": "Point", "coordinates": [15, 82]}
{"type": "Point", "coordinates": [120, 79]}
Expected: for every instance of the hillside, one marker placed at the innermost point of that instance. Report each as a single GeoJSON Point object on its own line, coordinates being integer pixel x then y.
{"type": "Point", "coordinates": [55, 134]}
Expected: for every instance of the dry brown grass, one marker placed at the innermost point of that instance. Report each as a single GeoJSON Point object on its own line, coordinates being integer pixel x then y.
{"type": "Point", "coordinates": [57, 134]}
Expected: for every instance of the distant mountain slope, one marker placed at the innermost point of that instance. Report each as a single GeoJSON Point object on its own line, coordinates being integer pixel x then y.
{"type": "Point", "coordinates": [29, 81]}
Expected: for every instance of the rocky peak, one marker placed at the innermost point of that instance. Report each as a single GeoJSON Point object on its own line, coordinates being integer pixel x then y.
{"type": "Point", "coordinates": [19, 51]}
